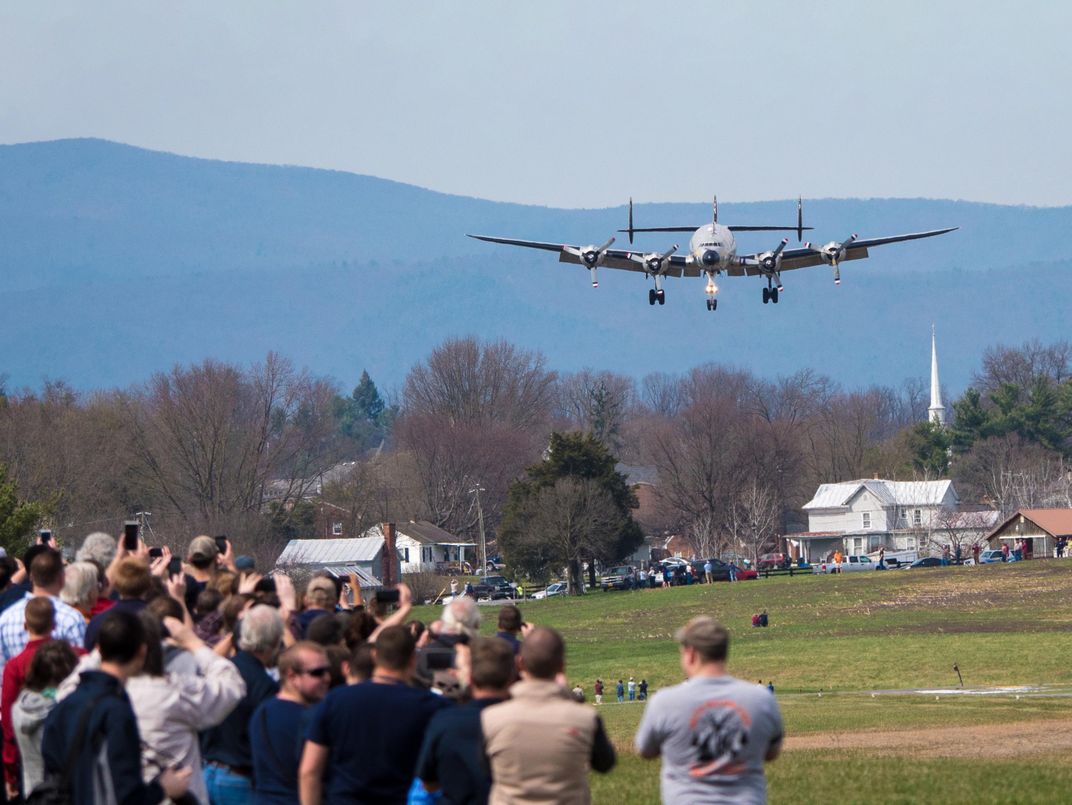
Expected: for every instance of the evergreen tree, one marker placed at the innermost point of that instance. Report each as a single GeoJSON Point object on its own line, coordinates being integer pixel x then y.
{"type": "Point", "coordinates": [17, 517]}
{"type": "Point", "coordinates": [576, 482]}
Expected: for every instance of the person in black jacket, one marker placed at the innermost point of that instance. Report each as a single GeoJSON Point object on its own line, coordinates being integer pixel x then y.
{"type": "Point", "coordinates": [105, 765]}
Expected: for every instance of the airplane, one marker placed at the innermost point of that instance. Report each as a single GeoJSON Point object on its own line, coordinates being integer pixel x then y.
{"type": "Point", "coordinates": [712, 252]}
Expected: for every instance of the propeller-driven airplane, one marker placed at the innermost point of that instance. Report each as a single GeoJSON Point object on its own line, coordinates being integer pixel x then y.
{"type": "Point", "coordinates": [712, 252]}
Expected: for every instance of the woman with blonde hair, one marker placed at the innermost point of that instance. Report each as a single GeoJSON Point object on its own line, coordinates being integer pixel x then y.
{"type": "Point", "coordinates": [81, 586]}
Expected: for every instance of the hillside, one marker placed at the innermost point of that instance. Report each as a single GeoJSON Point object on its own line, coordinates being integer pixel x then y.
{"type": "Point", "coordinates": [116, 261]}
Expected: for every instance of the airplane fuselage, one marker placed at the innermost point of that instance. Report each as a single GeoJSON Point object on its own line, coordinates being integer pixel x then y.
{"type": "Point", "coordinates": [713, 248]}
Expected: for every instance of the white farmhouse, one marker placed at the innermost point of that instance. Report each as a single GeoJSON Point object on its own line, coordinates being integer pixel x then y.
{"type": "Point", "coordinates": [863, 516]}
{"type": "Point", "coordinates": [427, 548]}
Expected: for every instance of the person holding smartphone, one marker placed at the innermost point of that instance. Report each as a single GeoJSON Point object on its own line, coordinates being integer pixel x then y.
{"type": "Point", "coordinates": [202, 559]}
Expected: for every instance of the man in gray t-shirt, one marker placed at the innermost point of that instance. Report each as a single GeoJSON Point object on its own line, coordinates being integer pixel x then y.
{"type": "Point", "coordinates": [714, 732]}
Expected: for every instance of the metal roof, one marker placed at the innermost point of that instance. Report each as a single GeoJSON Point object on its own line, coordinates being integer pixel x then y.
{"type": "Point", "coordinates": [1055, 522]}
{"type": "Point", "coordinates": [890, 493]}
{"type": "Point", "coordinates": [330, 551]}
{"type": "Point", "coordinates": [367, 579]}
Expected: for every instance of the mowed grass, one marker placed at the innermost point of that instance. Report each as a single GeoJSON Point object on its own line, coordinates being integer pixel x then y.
{"type": "Point", "coordinates": [849, 638]}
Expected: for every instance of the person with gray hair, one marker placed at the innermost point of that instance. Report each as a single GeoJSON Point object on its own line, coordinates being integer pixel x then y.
{"type": "Point", "coordinates": [461, 616]}
{"type": "Point", "coordinates": [81, 585]}
{"type": "Point", "coordinates": [225, 749]}
{"type": "Point", "coordinates": [97, 547]}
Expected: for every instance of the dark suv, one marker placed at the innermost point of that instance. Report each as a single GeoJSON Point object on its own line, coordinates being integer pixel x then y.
{"type": "Point", "coordinates": [493, 587]}
{"type": "Point", "coordinates": [720, 571]}
{"type": "Point", "coordinates": [618, 578]}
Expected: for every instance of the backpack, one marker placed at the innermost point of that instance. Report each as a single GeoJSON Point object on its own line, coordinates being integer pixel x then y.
{"type": "Point", "coordinates": [55, 789]}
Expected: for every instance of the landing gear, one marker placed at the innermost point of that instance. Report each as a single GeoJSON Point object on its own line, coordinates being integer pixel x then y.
{"type": "Point", "coordinates": [770, 294]}
{"type": "Point", "coordinates": [712, 304]}
{"type": "Point", "coordinates": [656, 296]}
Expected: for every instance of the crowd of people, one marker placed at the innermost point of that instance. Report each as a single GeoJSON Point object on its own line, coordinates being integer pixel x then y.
{"type": "Point", "coordinates": [130, 676]}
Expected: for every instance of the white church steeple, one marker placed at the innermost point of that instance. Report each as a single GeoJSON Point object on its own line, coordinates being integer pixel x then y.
{"type": "Point", "coordinates": [936, 413]}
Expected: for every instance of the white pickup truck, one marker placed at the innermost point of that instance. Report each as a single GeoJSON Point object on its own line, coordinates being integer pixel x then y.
{"type": "Point", "coordinates": [849, 564]}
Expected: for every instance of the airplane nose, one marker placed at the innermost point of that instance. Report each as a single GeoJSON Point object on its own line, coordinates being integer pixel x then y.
{"type": "Point", "coordinates": [709, 258]}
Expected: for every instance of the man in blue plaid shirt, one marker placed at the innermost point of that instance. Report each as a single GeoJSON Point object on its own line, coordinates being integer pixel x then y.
{"type": "Point", "coordinates": [46, 575]}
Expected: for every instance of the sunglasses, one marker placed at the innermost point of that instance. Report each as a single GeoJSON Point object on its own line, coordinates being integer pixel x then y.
{"type": "Point", "coordinates": [317, 672]}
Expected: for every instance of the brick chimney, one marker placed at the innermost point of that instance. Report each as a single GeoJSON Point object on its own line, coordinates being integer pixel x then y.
{"type": "Point", "coordinates": [390, 556]}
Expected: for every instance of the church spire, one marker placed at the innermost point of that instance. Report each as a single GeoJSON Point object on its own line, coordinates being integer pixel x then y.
{"type": "Point", "coordinates": [936, 413]}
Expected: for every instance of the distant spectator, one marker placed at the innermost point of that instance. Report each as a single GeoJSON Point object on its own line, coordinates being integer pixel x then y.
{"type": "Point", "coordinates": [541, 744]}
{"type": "Point", "coordinates": [53, 663]}
{"type": "Point", "coordinates": [47, 578]}
{"type": "Point", "coordinates": [202, 558]}
{"type": "Point", "coordinates": [81, 586]}
{"type": "Point", "coordinates": [320, 598]}
{"type": "Point", "coordinates": [642, 692]}
{"type": "Point", "coordinates": [111, 727]}
{"type": "Point", "coordinates": [451, 759]}
{"type": "Point", "coordinates": [597, 689]}
{"type": "Point", "coordinates": [131, 581]}
{"type": "Point", "coordinates": [98, 547]}
{"type": "Point", "coordinates": [631, 687]}
{"type": "Point", "coordinates": [40, 621]}
{"type": "Point", "coordinates": [1005, 551]}
{"type": "Point", "coordinates": [278, 726]}
{"type": "Point", "coordinates": [714, 732]}
{"type": "Point", "coordinates": [364, 739]}
{"type": "Point", "coordinates": [620, 691]}
{"type": "Point", "coordinates": [13, 584]}
{"type": "Point", "coordinates": [707, 569]}
{"type": "Point", "coordinates": [226, 748]}
{"type": "Point", "coordinates": [510, 623]}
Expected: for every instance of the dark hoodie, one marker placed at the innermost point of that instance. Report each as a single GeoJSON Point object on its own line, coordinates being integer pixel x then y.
{"type": "Point", "coordinates": [112, 729]}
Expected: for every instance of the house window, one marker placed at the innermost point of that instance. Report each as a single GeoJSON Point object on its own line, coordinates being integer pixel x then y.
{"type": "Point", "coordinates": [910, 543]}
{"type": "Point", "coordinates": [903, 512]}
{"type": "Point", "coordinates": [917, 518]}
{"type": "Point", "coordinates": [336, 529]}
{"type": "Point", "coordinates": [857, 546]}
{"type": "Point", "coordinates": [405, 554]}
{"type": "Point", "coordinates": [867, 519]}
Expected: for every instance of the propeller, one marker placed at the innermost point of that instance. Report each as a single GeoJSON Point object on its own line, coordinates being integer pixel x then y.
{"type": "Point", "coordinates": [832, 253]}
{"type": "Point", "coordinates": [770, 262]}
{"type": "Point", "coordinates": [630, 220]}
{"type": "Point", "coordinates": [653, 262]}
{"type": "Point", "coordinates": [590, 257]}
{"type": "Point", "coordinates": [800, 218]}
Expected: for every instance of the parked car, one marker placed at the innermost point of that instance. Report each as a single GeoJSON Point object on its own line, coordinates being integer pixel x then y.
{"type": "Point", "coordinates": [493, 587]}
{"type": "Point", "coordinates": [849, 564]}
{"type": "Point", "coordinates": [558, 588]}
{"type": "Point", "coordinates": [746, 574]}
{"type": "Point", "coordinates": [927, 561]}
{"type": "Point", "coordinates": [618, 578]}
{"type": "Point", "coordinates": [991, 557]}
{"type": "Point", "coordinates": [720, 571]}
{"type": "Point", "coordinates": [769, 561]}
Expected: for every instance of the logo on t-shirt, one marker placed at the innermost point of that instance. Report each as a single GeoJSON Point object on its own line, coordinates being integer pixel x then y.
{"type": "Point", "coordinates": [719, 730]}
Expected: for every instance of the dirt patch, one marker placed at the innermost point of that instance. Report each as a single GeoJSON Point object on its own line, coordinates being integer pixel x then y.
{"type": "Point", "coordinates": [1013, 739]}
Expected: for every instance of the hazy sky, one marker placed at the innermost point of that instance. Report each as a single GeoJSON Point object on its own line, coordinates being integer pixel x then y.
{"type": "Point", "coordinates": [569, 103]}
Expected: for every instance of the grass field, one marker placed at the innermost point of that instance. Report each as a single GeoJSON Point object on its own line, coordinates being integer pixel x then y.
{"type": "Point", "coordinates": [869, 643]}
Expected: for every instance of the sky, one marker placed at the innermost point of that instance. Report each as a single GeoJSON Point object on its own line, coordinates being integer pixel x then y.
{"type": "Point", "coordinates": [566, 103]}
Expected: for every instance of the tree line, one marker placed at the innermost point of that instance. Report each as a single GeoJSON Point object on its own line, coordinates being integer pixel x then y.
{"type": "Point", "coordinates": [254, 451]}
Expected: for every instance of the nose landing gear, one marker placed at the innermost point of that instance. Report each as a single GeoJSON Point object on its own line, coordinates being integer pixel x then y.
{"type": "Point", "coordinates": [770, 293]}
{"type": "Point", "coordinates": [656, 296]}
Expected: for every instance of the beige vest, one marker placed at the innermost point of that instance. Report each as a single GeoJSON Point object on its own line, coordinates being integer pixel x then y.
{"type": "Point", "coordinates": [539, 744]}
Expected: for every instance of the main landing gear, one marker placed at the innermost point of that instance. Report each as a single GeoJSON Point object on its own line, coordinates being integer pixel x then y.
{"type": "Point", "coordinates": [712, 304]}
{"type": "Point", "coordinates": [770, 293]}
{"type": "Point", "coordinates": [656, 296]}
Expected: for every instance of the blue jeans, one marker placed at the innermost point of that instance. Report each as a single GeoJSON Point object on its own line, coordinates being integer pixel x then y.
{"type": "Point", "coordinates": [227, 788]}
{"type": "Point", "coordinates": [632, 695]}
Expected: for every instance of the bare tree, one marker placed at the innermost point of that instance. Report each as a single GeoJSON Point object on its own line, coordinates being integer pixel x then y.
{"type": "Point", "coordinates": [1022, 366]}
{"type": "Point", "coordinates": [213, 444]}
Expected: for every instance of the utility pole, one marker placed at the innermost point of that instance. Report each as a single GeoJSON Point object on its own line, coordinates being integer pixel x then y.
{"type": "Point", "coordinates": [476, 490]}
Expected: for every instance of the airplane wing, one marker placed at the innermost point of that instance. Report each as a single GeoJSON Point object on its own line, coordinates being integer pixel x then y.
{"type": "Point", "coordinates": [804, 258]}
{"type": "Point", "coordinates": [615, 258]}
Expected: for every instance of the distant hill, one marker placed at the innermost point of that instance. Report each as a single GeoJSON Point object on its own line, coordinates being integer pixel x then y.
{"type": "Point", "coordinates": [116, 261]}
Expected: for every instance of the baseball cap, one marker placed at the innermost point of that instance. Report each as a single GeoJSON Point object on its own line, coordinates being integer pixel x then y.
{"type": "Point", "coordinates": [245, 563]}
{"type": "Point", "coordinates": [202, 548]}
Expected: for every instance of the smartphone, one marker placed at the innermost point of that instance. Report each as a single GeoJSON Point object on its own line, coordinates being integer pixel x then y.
{"type": "Point", "coordinates": [221, 543]}
{"type": "Point", "coordinates": [387, 596]}
{"type": "Point", "coordinates": [156, 553]}
{"type": "Point", "coordinates": [130, 535]}
{"type": "Point", "coordinates": [174, 567]}
{"type": "Point", "coordinates": [46, 536]}
{"type": "Point", "coordinates": [440, 660]}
